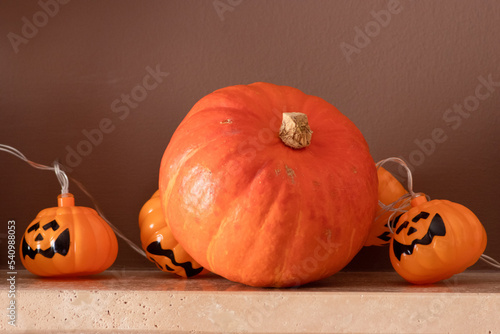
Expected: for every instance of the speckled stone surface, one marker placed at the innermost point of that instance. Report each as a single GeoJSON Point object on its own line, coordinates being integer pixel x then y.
{"type": "Point", "coordinates": [148, 301]}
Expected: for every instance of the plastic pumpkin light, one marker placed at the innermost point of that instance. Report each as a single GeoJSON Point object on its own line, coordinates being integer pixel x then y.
{"type": "Point", "coordinates": [389, 191]}
{"type": "Point", "coordinates": [68, 240]}
{"type": "Point", "coordinates": [430, 240]}
{"type": "Point", "coordinates": [160, 245]}
{"type": "Point", "coordinates": [435, 240]}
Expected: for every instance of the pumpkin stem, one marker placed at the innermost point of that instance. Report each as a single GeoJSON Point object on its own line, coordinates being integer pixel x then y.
{"type": "Point", "coordinates": [416, 201]}
{"type": "Point", "coordinates": [65, 200]}
{"type": "Point", "coordinates": [295, 131]}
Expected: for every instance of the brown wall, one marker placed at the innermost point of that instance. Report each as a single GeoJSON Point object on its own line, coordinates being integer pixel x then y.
{"type": "Point", "coordinates": [402, 84]}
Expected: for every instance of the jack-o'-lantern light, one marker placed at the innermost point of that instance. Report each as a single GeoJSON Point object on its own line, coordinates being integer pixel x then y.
{"type": "Point", "coordinates": [160, 245]}
{"type": "Point", "coordinates": [429, 240]}
{"type": "Point", "coordinates": [66, 240]}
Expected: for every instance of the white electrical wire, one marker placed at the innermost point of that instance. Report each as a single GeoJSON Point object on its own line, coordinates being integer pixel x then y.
{"type": "Point", "coordinates": [64, 182]}
{"type": "Point", "coordinates": [491, 261]}
{"type": "Point", "coordinates": [405, 166]}
{"type": "Point", "coordinates": [61, 175]}
{"type": "Point", "coordinates": [398, 205]}
{"type": "Point", "coordinates": [120, 234]}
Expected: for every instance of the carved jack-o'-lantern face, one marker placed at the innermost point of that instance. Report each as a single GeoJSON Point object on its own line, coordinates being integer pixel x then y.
{"type": "Point", "coordinates": [46, 240]}
{"type": "Point", "coordinates": [68, 240]}
{"type": "Point", "coordinates": [435, 240]}
{"type": "Point", "coordinates": [159, 243]}
{"type": "Point", "coordinates": [421, 230]}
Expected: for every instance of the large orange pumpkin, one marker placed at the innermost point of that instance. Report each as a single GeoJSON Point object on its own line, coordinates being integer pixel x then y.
{"type": "Point", "coordinates": [68, 240]}
{"type": "Point", "coordinates": [252, 196]}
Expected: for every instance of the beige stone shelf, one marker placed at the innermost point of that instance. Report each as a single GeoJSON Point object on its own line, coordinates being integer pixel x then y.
{"type": "Point", "coordinates": [149, 301]}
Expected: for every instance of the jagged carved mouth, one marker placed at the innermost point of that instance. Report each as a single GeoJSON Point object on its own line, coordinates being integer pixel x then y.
{"type": "Point", "coordinates": [156, 249]}
{"type": "Point", "coordinates": [436, 228]}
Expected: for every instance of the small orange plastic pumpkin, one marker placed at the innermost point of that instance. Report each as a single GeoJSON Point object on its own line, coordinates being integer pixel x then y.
{"type": "Point", "coordinates": [389, 191]}
{"type": "Point", "coordinates": [68, 240]}
{"type": "Point", "coordinates": [435, 240]}
{"type": "Point", "coordinates": [160, 245]}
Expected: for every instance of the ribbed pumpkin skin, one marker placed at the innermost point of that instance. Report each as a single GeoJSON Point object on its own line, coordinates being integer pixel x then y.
{"type": "Point", "coordinates": [159, 244]}
{"type": "Point", "coordinates": [256, 211]}
{"type": "Point", "coordinates": [92, 249]}
{"type": "Point", "coordinates": [459, 248]}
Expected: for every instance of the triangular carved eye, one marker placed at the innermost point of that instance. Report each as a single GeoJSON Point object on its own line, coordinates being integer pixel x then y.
{"type": "Point", "coordinates": [421, 215]}
{"type": "Point", "coordinates": [53, 225]}
{"type": "Point", "coordinates": [411, 230]}
{"type": "Point", "coordinates": [402, 226]}
{"type": "Point", "coordinates": [34, 227]}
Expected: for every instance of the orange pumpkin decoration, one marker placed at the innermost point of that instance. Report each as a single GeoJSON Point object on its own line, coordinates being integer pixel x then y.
{"type": "Point", "coordinates": [389, 191]}
{"type": "Point", "coordinates": [68, 240]}
{"type": "Point", "coordinates": [159, 244]}
{"type": "Point", "coordinates": [435, 240]}
{"type": "Point", "coordinates": [267, 186]}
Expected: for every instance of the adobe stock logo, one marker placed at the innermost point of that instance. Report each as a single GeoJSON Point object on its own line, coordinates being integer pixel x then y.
{"type": "Point", "coordinates": [122, 107]}
{"type": "Point", "coordinates": [30, 28]}
{"type": "Point", "coordinates": [224, 6]}
{"type": "Point", "coordinates": [453, 118]}
{"type": "Point", "coordinates": [363, 37]}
